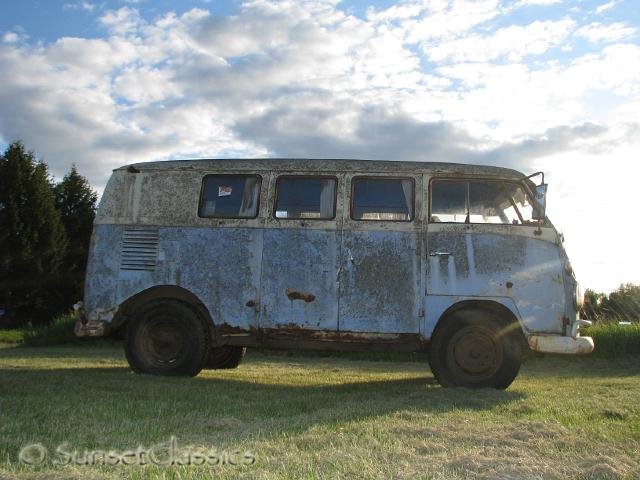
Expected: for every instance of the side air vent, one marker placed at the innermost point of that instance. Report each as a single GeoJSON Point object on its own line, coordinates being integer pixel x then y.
{"type": "Point", "coordinates": [139, 248]}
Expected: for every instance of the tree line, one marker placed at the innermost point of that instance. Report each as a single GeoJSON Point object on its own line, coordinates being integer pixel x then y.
{"type": "Point", "coordinates": [45, 229]}
{"type": "Point", "coordinates": [623, 304]}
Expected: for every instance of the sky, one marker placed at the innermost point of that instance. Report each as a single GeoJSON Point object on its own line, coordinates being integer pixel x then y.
{"type": "Point", "coordinates": [529, 84]}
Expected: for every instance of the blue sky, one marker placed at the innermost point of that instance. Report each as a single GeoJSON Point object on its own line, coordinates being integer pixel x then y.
{"type": "Point", "coordinates": [529, 84]}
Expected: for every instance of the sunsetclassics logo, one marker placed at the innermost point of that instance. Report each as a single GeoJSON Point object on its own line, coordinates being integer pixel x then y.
{"type": "Point", "coordinates": [167, 454]}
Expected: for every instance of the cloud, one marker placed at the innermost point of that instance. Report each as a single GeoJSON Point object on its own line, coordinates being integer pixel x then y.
{"type": "Point", "coordinates": [598, 32]}
{"type": "Point", "coordinates": [307, 79]}
{"type": "Point", "coordinates": [513, 42]}
{"type": "Point", "coordinates": [606, 6]}
{"type": "Point", "coordinates": [87, 6]}
{"type": "Point", "coordinates": [538, 2]}
{"type": "Point", "coordinates": [121, 21]}
{"type": "Point", "coordinates": [379, 134]}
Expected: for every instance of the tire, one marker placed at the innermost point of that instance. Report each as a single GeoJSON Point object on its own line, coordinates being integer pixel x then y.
{"type": "Point", "coordinates": [475, 349]}
{"type": "Point", "coordinates": [228, 356]}
{"type": "Point", "coordinates": [166, 337]}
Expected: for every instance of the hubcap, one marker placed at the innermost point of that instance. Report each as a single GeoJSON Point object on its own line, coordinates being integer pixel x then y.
{"type": "Point", "coordinates": [474, 352]}
{"type": "Point", "coordinates": [163, 340]}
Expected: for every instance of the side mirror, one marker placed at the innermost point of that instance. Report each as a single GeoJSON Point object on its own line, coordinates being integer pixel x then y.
{"type": "Point", "coordinates": [541, 202]}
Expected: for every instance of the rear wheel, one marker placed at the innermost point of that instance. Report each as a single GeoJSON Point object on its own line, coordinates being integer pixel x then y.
{"type": "Point", "coordinates": [166, 337]}
{"type": "Point", "coordinates": [475, 349]}
{"type": "Point", "coordinates": [228, 356]}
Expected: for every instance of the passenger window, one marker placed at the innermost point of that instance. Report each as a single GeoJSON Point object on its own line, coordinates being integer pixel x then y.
{"type": "Point", "coordinates": [479, 201]}
{"type": "Point", "coordinates": [230, 196]}
{"type": "Point", "coordinates": [306, 198]}
{"type": "Point", "coordinates": [382, 199]}
{"type": "Point", "coordinates": [449, 201]}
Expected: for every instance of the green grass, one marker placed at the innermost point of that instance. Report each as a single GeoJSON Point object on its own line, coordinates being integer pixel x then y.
{"type": "Point", "coordinates": [315, 417]}
{"type": "Point", "coordinates": [13, 336]}
{"type": "Point", "coordinates": [614, 340]}
{"type": "Point", "coordinates": [58, 332]}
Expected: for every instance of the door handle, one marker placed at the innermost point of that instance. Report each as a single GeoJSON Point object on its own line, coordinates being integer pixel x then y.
{"type": "Point", "coordinates": [439, 254]}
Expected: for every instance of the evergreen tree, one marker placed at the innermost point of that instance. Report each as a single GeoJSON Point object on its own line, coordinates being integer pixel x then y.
{"type": "Point", "coordinates": [76, 202]}
{"type": "Point", "coordinates": [32, 239]}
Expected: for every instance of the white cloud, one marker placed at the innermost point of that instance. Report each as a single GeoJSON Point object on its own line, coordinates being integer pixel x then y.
{"type": "Point", "coordinates": [87, 6]}
{"type": "Point", "coordinates": [606, 6]}
{"type": "Point", "coordinates": [512, 42]}
{"type": "Point", "coordinates": [598, 32]}
{"type": "Point", "coordinates": [421, 21]}
{"type": "Point", "coordinates": [145, 85]}
{"type": "Point", "coordinates": [121, 21]}
{"type": "Point", "coordinates": [538, 2]}
{"type": "Point", "coordinates": [222, 77]}
{"type": "Point", "coordinates": [10, 37]}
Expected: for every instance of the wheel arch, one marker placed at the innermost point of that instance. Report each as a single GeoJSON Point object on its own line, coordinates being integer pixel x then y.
{"type": "Point", "coordinates": [506, 312]}
{"type": "Point", "coordinates": [130, 305]}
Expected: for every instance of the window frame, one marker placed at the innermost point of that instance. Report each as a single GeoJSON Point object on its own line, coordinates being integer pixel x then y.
{"type": "Point", "coordinates": [256, 175]}
{"type": "Point", "coordinates": [467, 181]}
{"type": "Point", "coordinates": [382, 177]}
{"type": "Point", "coordinates": [317, 177]}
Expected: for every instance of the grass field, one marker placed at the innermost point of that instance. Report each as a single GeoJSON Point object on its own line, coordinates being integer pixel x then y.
{"type": "Point", "coordinates": [304, 417]}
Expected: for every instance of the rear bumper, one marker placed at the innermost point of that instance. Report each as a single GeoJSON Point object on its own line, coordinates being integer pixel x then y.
{"type": "Point", "coordinates": [87, 328]}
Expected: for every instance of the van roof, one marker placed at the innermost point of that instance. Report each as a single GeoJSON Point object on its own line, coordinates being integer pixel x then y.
{"type": "Point", "coordinates": [321, 165]}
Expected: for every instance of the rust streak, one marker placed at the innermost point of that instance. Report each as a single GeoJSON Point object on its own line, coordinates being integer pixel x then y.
{"type": "Point", "coordinates": [296, 295]}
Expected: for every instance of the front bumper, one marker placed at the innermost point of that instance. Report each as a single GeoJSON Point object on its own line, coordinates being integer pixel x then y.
{"type": "Point", "coordinates": [574, 344]}
{"type": "Point", "coordinates": [558, 344]}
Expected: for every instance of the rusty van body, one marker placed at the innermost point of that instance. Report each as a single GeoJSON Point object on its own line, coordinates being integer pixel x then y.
{"type": "Point", "coordinates": [198, 259]}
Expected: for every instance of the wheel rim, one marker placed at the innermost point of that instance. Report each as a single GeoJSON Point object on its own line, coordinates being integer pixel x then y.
{"type": "Point", "coordinates": [475, 353]}
{"type": "Point", "coordinates": [163, 340]}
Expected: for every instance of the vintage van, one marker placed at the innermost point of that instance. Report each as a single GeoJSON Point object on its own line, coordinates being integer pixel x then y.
{"type": "Point", "coordinates": [196, 260]}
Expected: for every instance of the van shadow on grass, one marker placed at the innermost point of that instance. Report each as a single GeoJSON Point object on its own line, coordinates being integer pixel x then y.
{"type": "Point", "coordinates": [226, 408]}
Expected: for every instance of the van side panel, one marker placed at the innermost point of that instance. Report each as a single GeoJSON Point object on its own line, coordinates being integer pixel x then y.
{"type": "Point", "coordinates": [221, 266]}
{"type": "Point", "coordinates": [501, 261]}
{"type": "Point", "coordinates": [299, 278]}
{"type": "Point", "coordinates": [380, 282]}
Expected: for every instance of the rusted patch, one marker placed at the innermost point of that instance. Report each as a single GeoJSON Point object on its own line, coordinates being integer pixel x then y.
{"type": "Point", "coordinates": [226, 329]}
{"type": "Point", "coordinates": [296, 331]}
{"type": "Point", "coordinates": [296, 295]}
{"type": "Point", "coordinates": [91, 329]}
{"type": "Point", "coordinates": [284, 336]}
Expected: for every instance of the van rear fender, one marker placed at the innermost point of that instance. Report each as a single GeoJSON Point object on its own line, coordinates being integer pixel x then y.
{"type": "Point", "coordinates": [128, 308]}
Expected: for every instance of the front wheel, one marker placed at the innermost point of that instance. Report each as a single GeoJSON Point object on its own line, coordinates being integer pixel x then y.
{"type": "Point", "coordinates": [166, 337]}
{"type": "Point", "coordinates": [475, 349]}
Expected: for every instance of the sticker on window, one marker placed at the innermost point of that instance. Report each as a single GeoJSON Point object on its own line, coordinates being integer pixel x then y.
{"type": "Point", "coordinates": [224, 191]}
